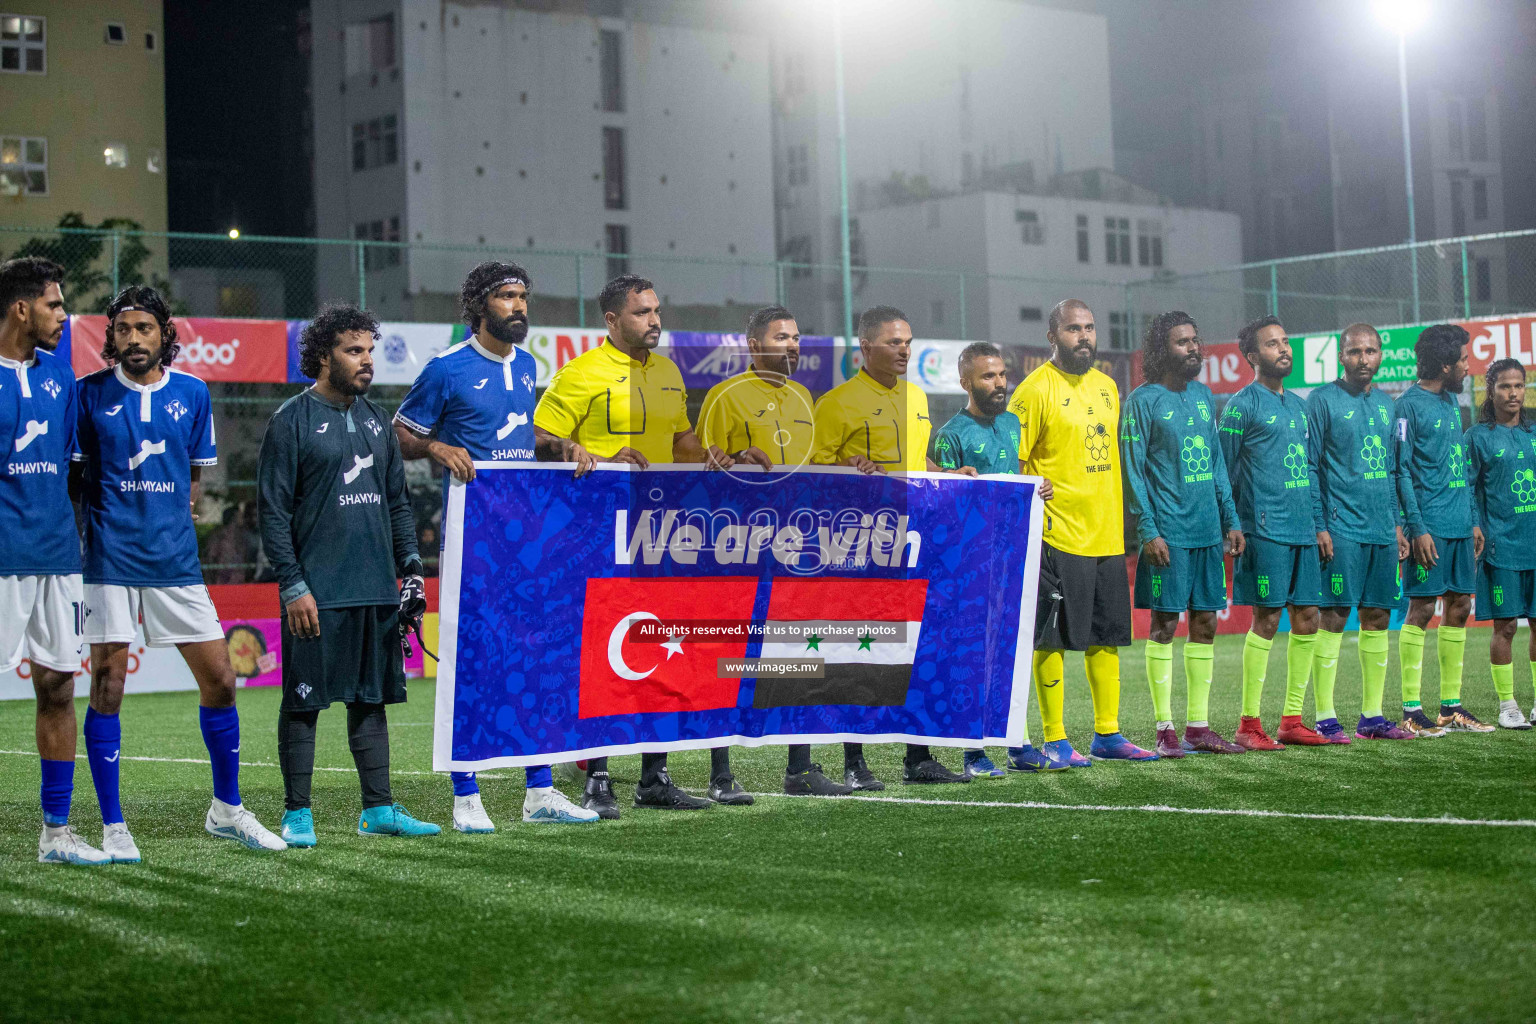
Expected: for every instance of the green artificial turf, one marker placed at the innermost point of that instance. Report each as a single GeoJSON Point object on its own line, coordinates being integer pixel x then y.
{"type": "Point", "coordinates": [804, 910]}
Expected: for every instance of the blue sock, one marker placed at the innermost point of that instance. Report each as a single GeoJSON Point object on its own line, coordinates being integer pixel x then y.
{"type": "Point", "coordinates": [221, 735]}
{"type": "Point", "coordinates": [464, 784]}
{"type": "Point", "coordinates": [58, 787]}
{"type": "Point", "coordinates": [103, 749]}
{"type": "Point", "coordinates": [539, 776]}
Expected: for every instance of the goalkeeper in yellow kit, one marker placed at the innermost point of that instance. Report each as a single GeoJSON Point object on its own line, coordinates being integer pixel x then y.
{"type": "Point", "coordinates": [1069, 415]}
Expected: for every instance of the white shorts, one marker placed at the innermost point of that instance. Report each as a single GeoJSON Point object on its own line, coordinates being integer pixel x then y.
{"type": "Point", "coordinates": [40, 619]}
{"type": "Point", "coordinates": [172, 615]}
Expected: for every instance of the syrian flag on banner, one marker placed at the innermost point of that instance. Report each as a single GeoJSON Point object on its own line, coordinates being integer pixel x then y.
{"type": "Point", "coordinates": [848, 623]}
{"type": "Point", "coordinates": [619, 677]}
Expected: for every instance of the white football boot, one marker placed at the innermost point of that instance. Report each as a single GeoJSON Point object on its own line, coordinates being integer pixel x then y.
{"type": "Point", "coordinates": [237, 823]}
{"type": "Point", "coordinates": [1511, 717]}
{"type": "Point", "coordinates": [469, 815]}
{"type": "Point", "coordinates": [117, 843]}
{"type": "Point", "coordinates": [62, 845]}
{"type": "Point", "coordinates": [546, 805]}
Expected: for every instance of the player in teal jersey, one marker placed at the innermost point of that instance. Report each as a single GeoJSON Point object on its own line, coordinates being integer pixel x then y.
{"type": "Point", "coordinates": [1264, 439]}
{"type": "Point", "coordinates": [984, 438]}
{"type": "Point", "coordinates": [1362, 542]}
{"type": "Point", "coordinates": [1178, 492]}
{"type": "Point", "coordinates": [1501, 460]}
{"type": "Point", "coordinates": [1437, 507]}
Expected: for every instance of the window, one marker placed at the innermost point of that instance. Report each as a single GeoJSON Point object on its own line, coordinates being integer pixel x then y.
{"type": "Point", "coordinates": [152, 162]}
{"type": "Point", "coordinates": [117, 34]}
{"type": "Point", "coordinates": [1030, 230]}
{"type": "Point", "coordinates": [1082, 238]}
{"type": "Point", "coordinates": [612, 46]}
{"type": "Point", "coordinates": [938, 312]}
{"type": "Point", "coordinates": [369, 46]}
{"type": "Point", "coordinates": [22, 45]}
{"type": "Point", "coordinates": [1479, 198]}
{"type": "Point", "coordinates": [797, 251]}
{"type": "Point", "coordinates": [1483, 289]}
{"type": "Point", "coordinates": [379, 231]}
{"type": "Point", "coordinates": [613, 170]}
{"type": "Point", "coordinates": [1030, 314]}
{"type": "Point", "coordinates": [1455, 130]}
{"type": "Point", "coordinates": [1149, 243]}
{"type": "Point", "coordinates": [1117, 240]}
{"type": "Point", "coordinates": [151, 41]}
{"type": "Point", "coordinates": [616, 241]}
{"type": "Point", "coordinates": [23, 166]}
{"type": "Point", "coordinates": [115, 154]}
{"type": "Point", "coordinates": [1458, 206]}
{"type": "Point", "coordinates": [1477, 129]}
{"type": "Point", "coordinates": [1119, 330]}
{"type": "Point", "coordinates": [375, 143]}
{"type": "Point", "coordinates": [798, 164]}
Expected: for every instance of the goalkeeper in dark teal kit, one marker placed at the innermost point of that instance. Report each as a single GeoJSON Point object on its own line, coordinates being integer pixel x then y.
{"type": "Point", "coordinates": [984, 438]}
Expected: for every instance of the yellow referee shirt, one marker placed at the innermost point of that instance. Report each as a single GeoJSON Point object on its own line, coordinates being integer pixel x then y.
{"type": "Point", "coordinates": [1070, 435]}
{"type": "Point", "coordinates": [888, 426]}
{"type": "Point", "coordinates": [747, 410]}
{"type": "Point", "coordinates": [604, 400]}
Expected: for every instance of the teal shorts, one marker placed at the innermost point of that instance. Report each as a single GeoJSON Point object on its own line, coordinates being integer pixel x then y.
{"type": "Point", "coordinates": [1195, 579]}
{"type": "Point", "coordinates": [1505, 593]}
{"type": "Point", "coordinates": [1273, 575]}
{"type": "Point", "coordinates": [1362, 576]}
{"type": "Point", "coordinates": [1454, 571]}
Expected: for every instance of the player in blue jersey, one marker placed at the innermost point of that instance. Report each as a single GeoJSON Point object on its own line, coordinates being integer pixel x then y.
{"type": "Point", "coordinates": [39, 551]}
{"type": "Point", "coordinates": [474, 402]}
{"type": "Point", "coordinates": [145, 434]}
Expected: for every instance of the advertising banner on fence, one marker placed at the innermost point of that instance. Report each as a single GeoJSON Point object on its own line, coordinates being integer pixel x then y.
{"type": "Point", "coordinates": [677, 609]}
{"type": "Point", "coordinates": [212, 349]}
{"type": "Point", "coordinates": [708, 359]}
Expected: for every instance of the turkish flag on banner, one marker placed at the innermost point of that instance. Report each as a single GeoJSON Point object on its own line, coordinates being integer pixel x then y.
{"type": "Point", "coordinates": [619, 677]}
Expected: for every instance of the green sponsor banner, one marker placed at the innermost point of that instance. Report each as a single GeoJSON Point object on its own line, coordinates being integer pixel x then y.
{"type": "Point", "coordinates": [1315, 357]}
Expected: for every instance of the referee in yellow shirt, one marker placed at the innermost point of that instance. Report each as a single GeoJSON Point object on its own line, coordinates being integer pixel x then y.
{"type": "Point", "coordinates": [621, 402]}
{"type": "Point", "coordinates": [877, 422]}
{"type": "Point", "coordinates": [1069, 417]}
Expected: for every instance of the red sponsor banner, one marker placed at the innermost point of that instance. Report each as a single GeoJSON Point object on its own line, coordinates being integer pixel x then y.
{"type": "Point", "coordinates": [213, 349]}
{"type": "Point", "coordinates": [1500, 338]}
{"type": "Point", "coordinates": [1225, 370]}
{"type": "Point", "coordinates": [620, 677]}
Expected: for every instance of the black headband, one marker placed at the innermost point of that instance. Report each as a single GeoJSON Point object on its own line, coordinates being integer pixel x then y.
{"type": "Point", "coordinates": [510, 279]}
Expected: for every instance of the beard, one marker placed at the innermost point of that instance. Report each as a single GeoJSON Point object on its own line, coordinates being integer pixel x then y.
{"type": "Point", "coordinates": [991, 403]}
{"type": "Point", "coordinates": [1456, 387]}
{"type": "Point", "coordinates": [1076, 361]}
{"type": "Point", "coordinates": [138, 359]}
{"type": "Point", "coordinates": [345, 382]}
{"type": "Point", "coordinates": [780, 363]}
{"type": "Point", "coordinates": [1191, 367]}
{"type": "Point", "coordinates": [508, 330]}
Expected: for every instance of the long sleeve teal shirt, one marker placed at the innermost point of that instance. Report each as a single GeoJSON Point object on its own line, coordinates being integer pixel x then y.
{"type": "Point", "coordinates": [1432, 465]}
{"type": "Point", "coordinates": [1176, 479]}
{"type": "Point", "coordinates": [1264, 440]}
{"type": "Point", "coordinates": [1352, 454]}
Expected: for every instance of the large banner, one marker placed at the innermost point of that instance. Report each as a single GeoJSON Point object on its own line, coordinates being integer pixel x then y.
{"type": "Point", "coordinates": [678, 609]}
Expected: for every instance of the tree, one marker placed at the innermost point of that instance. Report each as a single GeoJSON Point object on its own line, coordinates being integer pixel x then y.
{"type": "Point", "coordinates": [84, 251]}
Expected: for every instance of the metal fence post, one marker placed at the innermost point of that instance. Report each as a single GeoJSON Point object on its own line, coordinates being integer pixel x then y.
{"type": "Point", "coordinates": [116, 247]}
{"type": "Point", "coordinates": [778, 282]}
{"type": "Point", "coordinates": [1274, 290]}
{"type": "Point", "coordinates": [362, 276]}
{"type": "Point", "coordinates": [1466, 285]}
{"type": "Point", "coordinates": [581, 303]}
{"type": "Point", "coordinates": [961, 276]}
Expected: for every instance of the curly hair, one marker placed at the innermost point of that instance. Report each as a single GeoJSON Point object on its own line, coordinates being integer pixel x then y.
{"type": "Point", "coordinates": [27, 277]}
{"type": "Point", "coordinates": [1154, 344]}
{"type": "Point", "coordinates": [319, 337]}
{"type": "Point", "coordinates": [144, 298]}
{"type": "Point", "coordinates": [1439, 346]}
{"type": "Point", "coordinates": [1500, 366]}
{"type": "Point", "coordinates": [481, 282]}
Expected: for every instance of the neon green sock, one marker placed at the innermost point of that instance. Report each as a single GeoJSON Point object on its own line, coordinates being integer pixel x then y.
{"type": "Point", "coordinates": [1298, 669]}
{"type": "Point", "coordinates": [1160, 679]}
{"type": "Point", "coordinates": [1503, 680]}
{"type": "Point", "coordinates": [1373, 671]}
{"type": "Point", "coordinates": [1199, 661]}
{"type": "Point", "coordinates": [1533, 675]}
{"type": "Point", "coordinates": [1410, 656]}
{"type": "Point", "coordinates": [1451, 648]}
{"type": "Point", "coordinates": [1255, 667]}
{"type": "Point", "coordinates": [1326, 664]}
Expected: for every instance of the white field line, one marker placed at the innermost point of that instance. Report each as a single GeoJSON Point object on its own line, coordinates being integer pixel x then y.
{"type": "Point", "coordinates": [1018, 805]}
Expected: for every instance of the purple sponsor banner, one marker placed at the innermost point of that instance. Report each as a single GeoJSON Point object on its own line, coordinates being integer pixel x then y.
{"type": "Point", "coordinates": [256, 652]}
{"type": "Point", "coordinates": [706, 359]}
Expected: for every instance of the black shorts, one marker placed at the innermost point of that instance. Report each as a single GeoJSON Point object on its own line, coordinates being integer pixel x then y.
{"type": "Point", "coordinates": [356, 659]}
{"type": "Point", "coordinates": [1095, 605]}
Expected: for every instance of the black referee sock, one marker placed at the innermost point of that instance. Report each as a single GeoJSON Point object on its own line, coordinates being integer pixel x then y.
{"type": "Point", "coordinates": [368, 736]}
{"type": "Point", "coordinates": [799, 759]}
{"type": "Point", "coordinates": [917, 753]}
{"type": "Point", "coordinates": [296, 755]}
{"type": "Point", "coordinates": [719, 763]}
{"type": "Point", "coordinates": [596, 764]}
{"type": "Point", "coordinates": [853, 754]}
{"type": "Point", "coordinates": [650, 767]}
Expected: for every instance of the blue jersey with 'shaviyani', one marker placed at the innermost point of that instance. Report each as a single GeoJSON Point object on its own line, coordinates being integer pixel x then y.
{"type": "Point", "coordinates": [1176, 477]}
{"type": "Point", "coordinates": [469, 398]}
{"type": "Point", "coordinates": [37, 426]}
{"type": "Point", "coordinates": [1264, 439]}
{"type": "Point", "coordinates": [139, 444]}
{"type": "Point", "coordinates": [1432, 465]}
